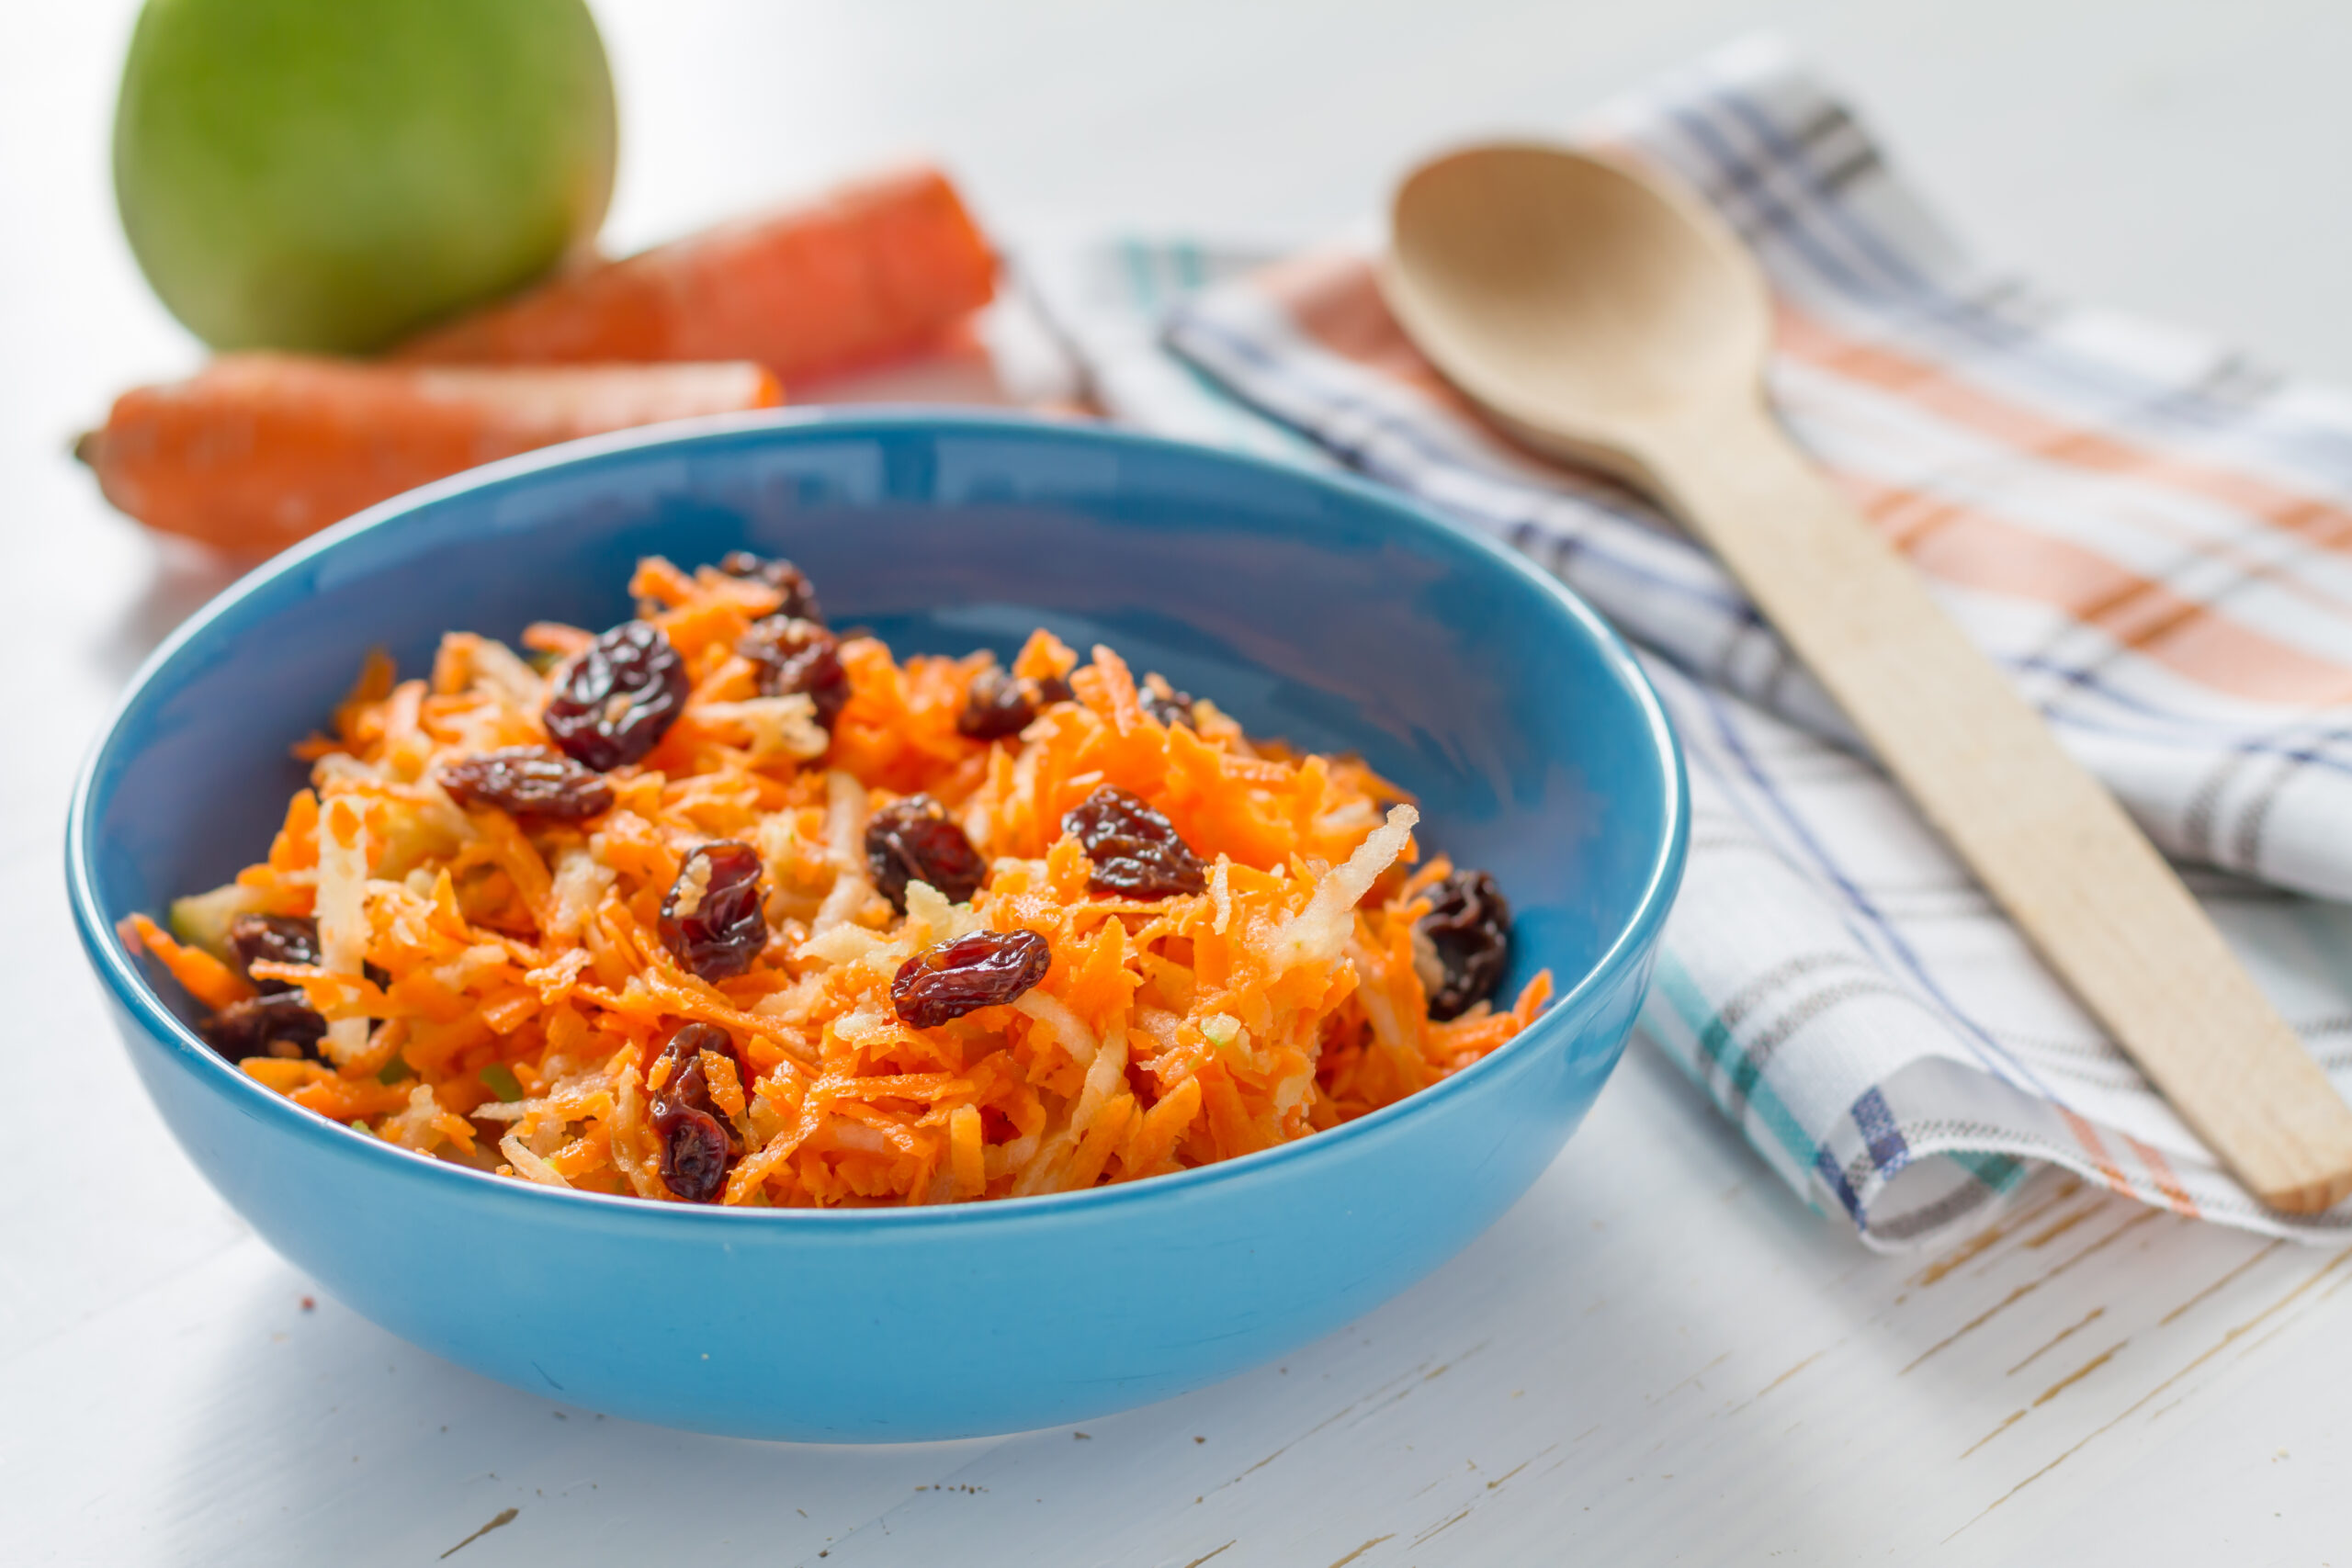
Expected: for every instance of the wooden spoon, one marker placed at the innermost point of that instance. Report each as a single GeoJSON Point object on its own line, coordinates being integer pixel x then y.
{"type": "Point", "coordinates": [1602, 314]}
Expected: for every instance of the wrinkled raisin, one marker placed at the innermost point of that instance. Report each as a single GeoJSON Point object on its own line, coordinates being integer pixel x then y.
{"type": "Point", "coordinates": [528, 780]}
{"type": "Point", "coordinates": [978, 971]}
{"type": "Point", "coordinates": [800, 596]}
{"type": "Point", "coordinates": [685, 1047]}
{"type": "Point", "coordinates": [915, 840]}
{"type": "Point", "coordinates": [276, 1023]}
{"type": "Point", "coordinates": [1165, 705]}
{"type": "Point", "coordinates": [697, 1142]}
{"type": "Point", "coordinates": [694, 1153]}
{"type": "Point", "coordinates": [1469, 925]}
{"type": "Point", "coordinates": [998, 704]}
{"type": "Point", "coordinates": [711, 920]}
{"type": "Point", "coordinates": [799, 656]}
{"type": "Point", "coordinates": [995, 706]}
{"type": "Point", "coordinates": [616, 698]}
{"type": "Point", "coordinates": [1136, 851]}
{"type": "Point", "coordinates": [273, 939]}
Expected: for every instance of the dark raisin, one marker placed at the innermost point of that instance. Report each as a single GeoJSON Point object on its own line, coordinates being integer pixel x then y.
{"type": "Point", "coordinates": [799, 656]}
{"type": "Point", "coordinates": [982, 970]}
{"type": "Point", "coordinates": [915, 840]}
{"type": "Point", "coordinates": [999, 704]}
{"type": "Point", "coordinates": [273, 939]}
{"type": "Point", "coordinates": [688, 1084]}
{"type": "Point", "coordinates": [1165, 705]}
{"type": "Point", "coordinates": [711, 920]}
{"type": "Point", "coordinates": [696, 1141]}
{"type": "Point", "coordinates": [694, 1153]}
{"type": "Point", "coordinates": [685, 1045]}
{"type": "Point", "coordinates": [995, 706]}
{"type": "Point", "coordinates": [1137, 852]}
{"type": "Point", "coordinates": [276, 1023]}
{"type": "Point", "coordinates": [1469, 925]}
{"type": "Point", "coordinates": [800, 596]}
{"type": "Point", "coordinates": [616, 698]}
{"type": "Point", "coordinates": [528, 780]}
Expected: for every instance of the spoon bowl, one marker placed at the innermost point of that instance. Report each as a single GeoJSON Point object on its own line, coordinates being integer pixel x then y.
{"type": "Point", "coordinates": [1579, 302]}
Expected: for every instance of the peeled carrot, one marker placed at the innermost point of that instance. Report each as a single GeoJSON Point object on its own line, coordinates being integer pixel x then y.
{"type": "Point", "coordinates": [258, 450]}
{"type": "Point", "coordinates": [872, 269]}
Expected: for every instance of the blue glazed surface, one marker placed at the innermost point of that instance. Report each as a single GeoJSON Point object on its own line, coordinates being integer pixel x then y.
{"type": "Point", "coordinates": [1314, 609]}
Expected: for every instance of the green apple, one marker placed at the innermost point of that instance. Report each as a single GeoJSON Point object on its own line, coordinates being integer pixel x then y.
{"type": "Point", "coordinates": [331, 174]}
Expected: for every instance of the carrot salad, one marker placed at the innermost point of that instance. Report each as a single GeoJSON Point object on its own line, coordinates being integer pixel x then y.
{"type": "Point", "coordinates": [722, 907]}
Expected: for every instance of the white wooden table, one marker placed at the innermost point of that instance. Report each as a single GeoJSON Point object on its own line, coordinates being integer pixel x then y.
{"type": "Point", "coordinates": [1659, 1356]}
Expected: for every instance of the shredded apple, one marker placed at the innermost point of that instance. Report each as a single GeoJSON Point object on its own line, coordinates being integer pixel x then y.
{"type": "Point", "coordinates": [772, 919]}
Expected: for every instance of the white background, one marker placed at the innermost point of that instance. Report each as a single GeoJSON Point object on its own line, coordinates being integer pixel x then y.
{"type": "Point", "coordinates": [1659, 1356]}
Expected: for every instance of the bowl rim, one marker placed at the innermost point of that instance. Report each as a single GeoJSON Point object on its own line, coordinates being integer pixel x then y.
{"type": "Point", "coordinates": [132, 991]}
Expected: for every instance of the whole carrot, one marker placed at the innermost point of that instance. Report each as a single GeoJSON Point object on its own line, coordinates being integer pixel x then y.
{"type": "Point", "coordinates": [258, 450]}
{"type": "Point", "coordinates": [869, 270]}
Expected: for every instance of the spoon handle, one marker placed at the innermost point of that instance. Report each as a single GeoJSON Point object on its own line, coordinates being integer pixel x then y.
{"type": "Point", "coordinates": [2047, 841]}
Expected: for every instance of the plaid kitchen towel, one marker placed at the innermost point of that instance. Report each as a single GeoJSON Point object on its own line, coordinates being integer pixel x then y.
{"type": "Point", "coordinates": [2154, 536]}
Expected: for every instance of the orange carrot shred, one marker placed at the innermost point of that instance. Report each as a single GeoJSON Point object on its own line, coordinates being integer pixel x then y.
{"type": "Point", "coordinates": [204, 977]}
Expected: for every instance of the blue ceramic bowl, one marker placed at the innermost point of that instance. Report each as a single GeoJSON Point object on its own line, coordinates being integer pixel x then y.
{"type": "Point", "coordinates": [1312, 608]}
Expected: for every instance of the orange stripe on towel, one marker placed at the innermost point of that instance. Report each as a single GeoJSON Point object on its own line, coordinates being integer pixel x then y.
{"type": "Point", "coordinates": [2160, 1171]}
{"type": "Point", "coordinates": [1335, 300]}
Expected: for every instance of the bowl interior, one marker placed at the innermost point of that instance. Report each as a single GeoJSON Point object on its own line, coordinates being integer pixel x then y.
{"type": "Point", "coordinates": [1322, 614]}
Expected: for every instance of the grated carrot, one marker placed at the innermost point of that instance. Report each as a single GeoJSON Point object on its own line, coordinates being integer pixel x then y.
{"type": "Point", "coordinates": [203, 977]}
{"type": "Point", "coordinates": [467, 951]}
